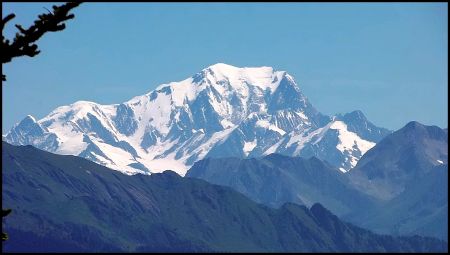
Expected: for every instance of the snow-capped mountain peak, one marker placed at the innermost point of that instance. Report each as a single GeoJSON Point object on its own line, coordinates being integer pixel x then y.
{"type": "Point", "coordinates": [225, 80]}
{"type": "Point", "coordinates": [262, 77]}
{"type": "Point", "coordinates": [220, 111]}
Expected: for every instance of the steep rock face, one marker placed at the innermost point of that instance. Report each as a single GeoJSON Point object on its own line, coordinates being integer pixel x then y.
{"type": "Point", "coordinates": [28, 131]}
{"type": "Point", "coordinates": [222, 111]}
{"type": "Point", "coordinates": [69, 204]}
{"type": "Point", "coordinates": [358, 123]}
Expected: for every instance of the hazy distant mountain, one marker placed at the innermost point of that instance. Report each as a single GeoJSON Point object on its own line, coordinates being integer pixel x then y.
{"type": "Point", "coordinates": [276, 179]}
{"type": "Point", "coordinates": [409, 170]}
{"type": "Point", "coordinates": [404, 156]}
{"type": "Point", "coordinates": [66, 203]}
{"type": "Point", "coordinates": [399, 186]}
{"type": "Point", "coordinates": [422, 208]}
{"type": "Point", "coordinates": [221, 111]}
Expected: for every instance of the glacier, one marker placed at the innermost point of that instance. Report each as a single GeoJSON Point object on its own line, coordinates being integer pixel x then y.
{"type": "Point", "coordinates": [221, 111]}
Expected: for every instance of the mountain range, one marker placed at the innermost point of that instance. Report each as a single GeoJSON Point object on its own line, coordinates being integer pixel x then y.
{"type": "Point", "coordinates": [221, 111]}
{"type": "Point", "coordinates": [400, 186]}
{"type": "Point", "coordinates": [249, 129]}
{"type": "Point", "coordinates": [69, 204]}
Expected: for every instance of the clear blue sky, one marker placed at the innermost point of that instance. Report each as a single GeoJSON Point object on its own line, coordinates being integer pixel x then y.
{"type": "Point", "coordinates": [388, 60]}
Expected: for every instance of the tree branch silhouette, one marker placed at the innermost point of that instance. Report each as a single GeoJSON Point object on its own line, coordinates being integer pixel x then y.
{"type": "Point", "coordinates": [24, 41]}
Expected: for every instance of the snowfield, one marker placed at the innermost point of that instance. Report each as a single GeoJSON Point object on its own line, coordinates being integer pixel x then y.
{"type": "Point", "coordinates": [221, 111]}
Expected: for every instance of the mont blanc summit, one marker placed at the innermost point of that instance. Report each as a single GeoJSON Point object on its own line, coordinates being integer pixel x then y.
{"type": "Point", "coordinates": [221, 111]}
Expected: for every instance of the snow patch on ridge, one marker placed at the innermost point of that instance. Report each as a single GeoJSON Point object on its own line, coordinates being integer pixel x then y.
{"type": "Point", "coordinates": [349, 139]}
{"type": "Point", "coordinates": [266, 124]}
{"type": "Point", "coordinates": [249, 146]}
